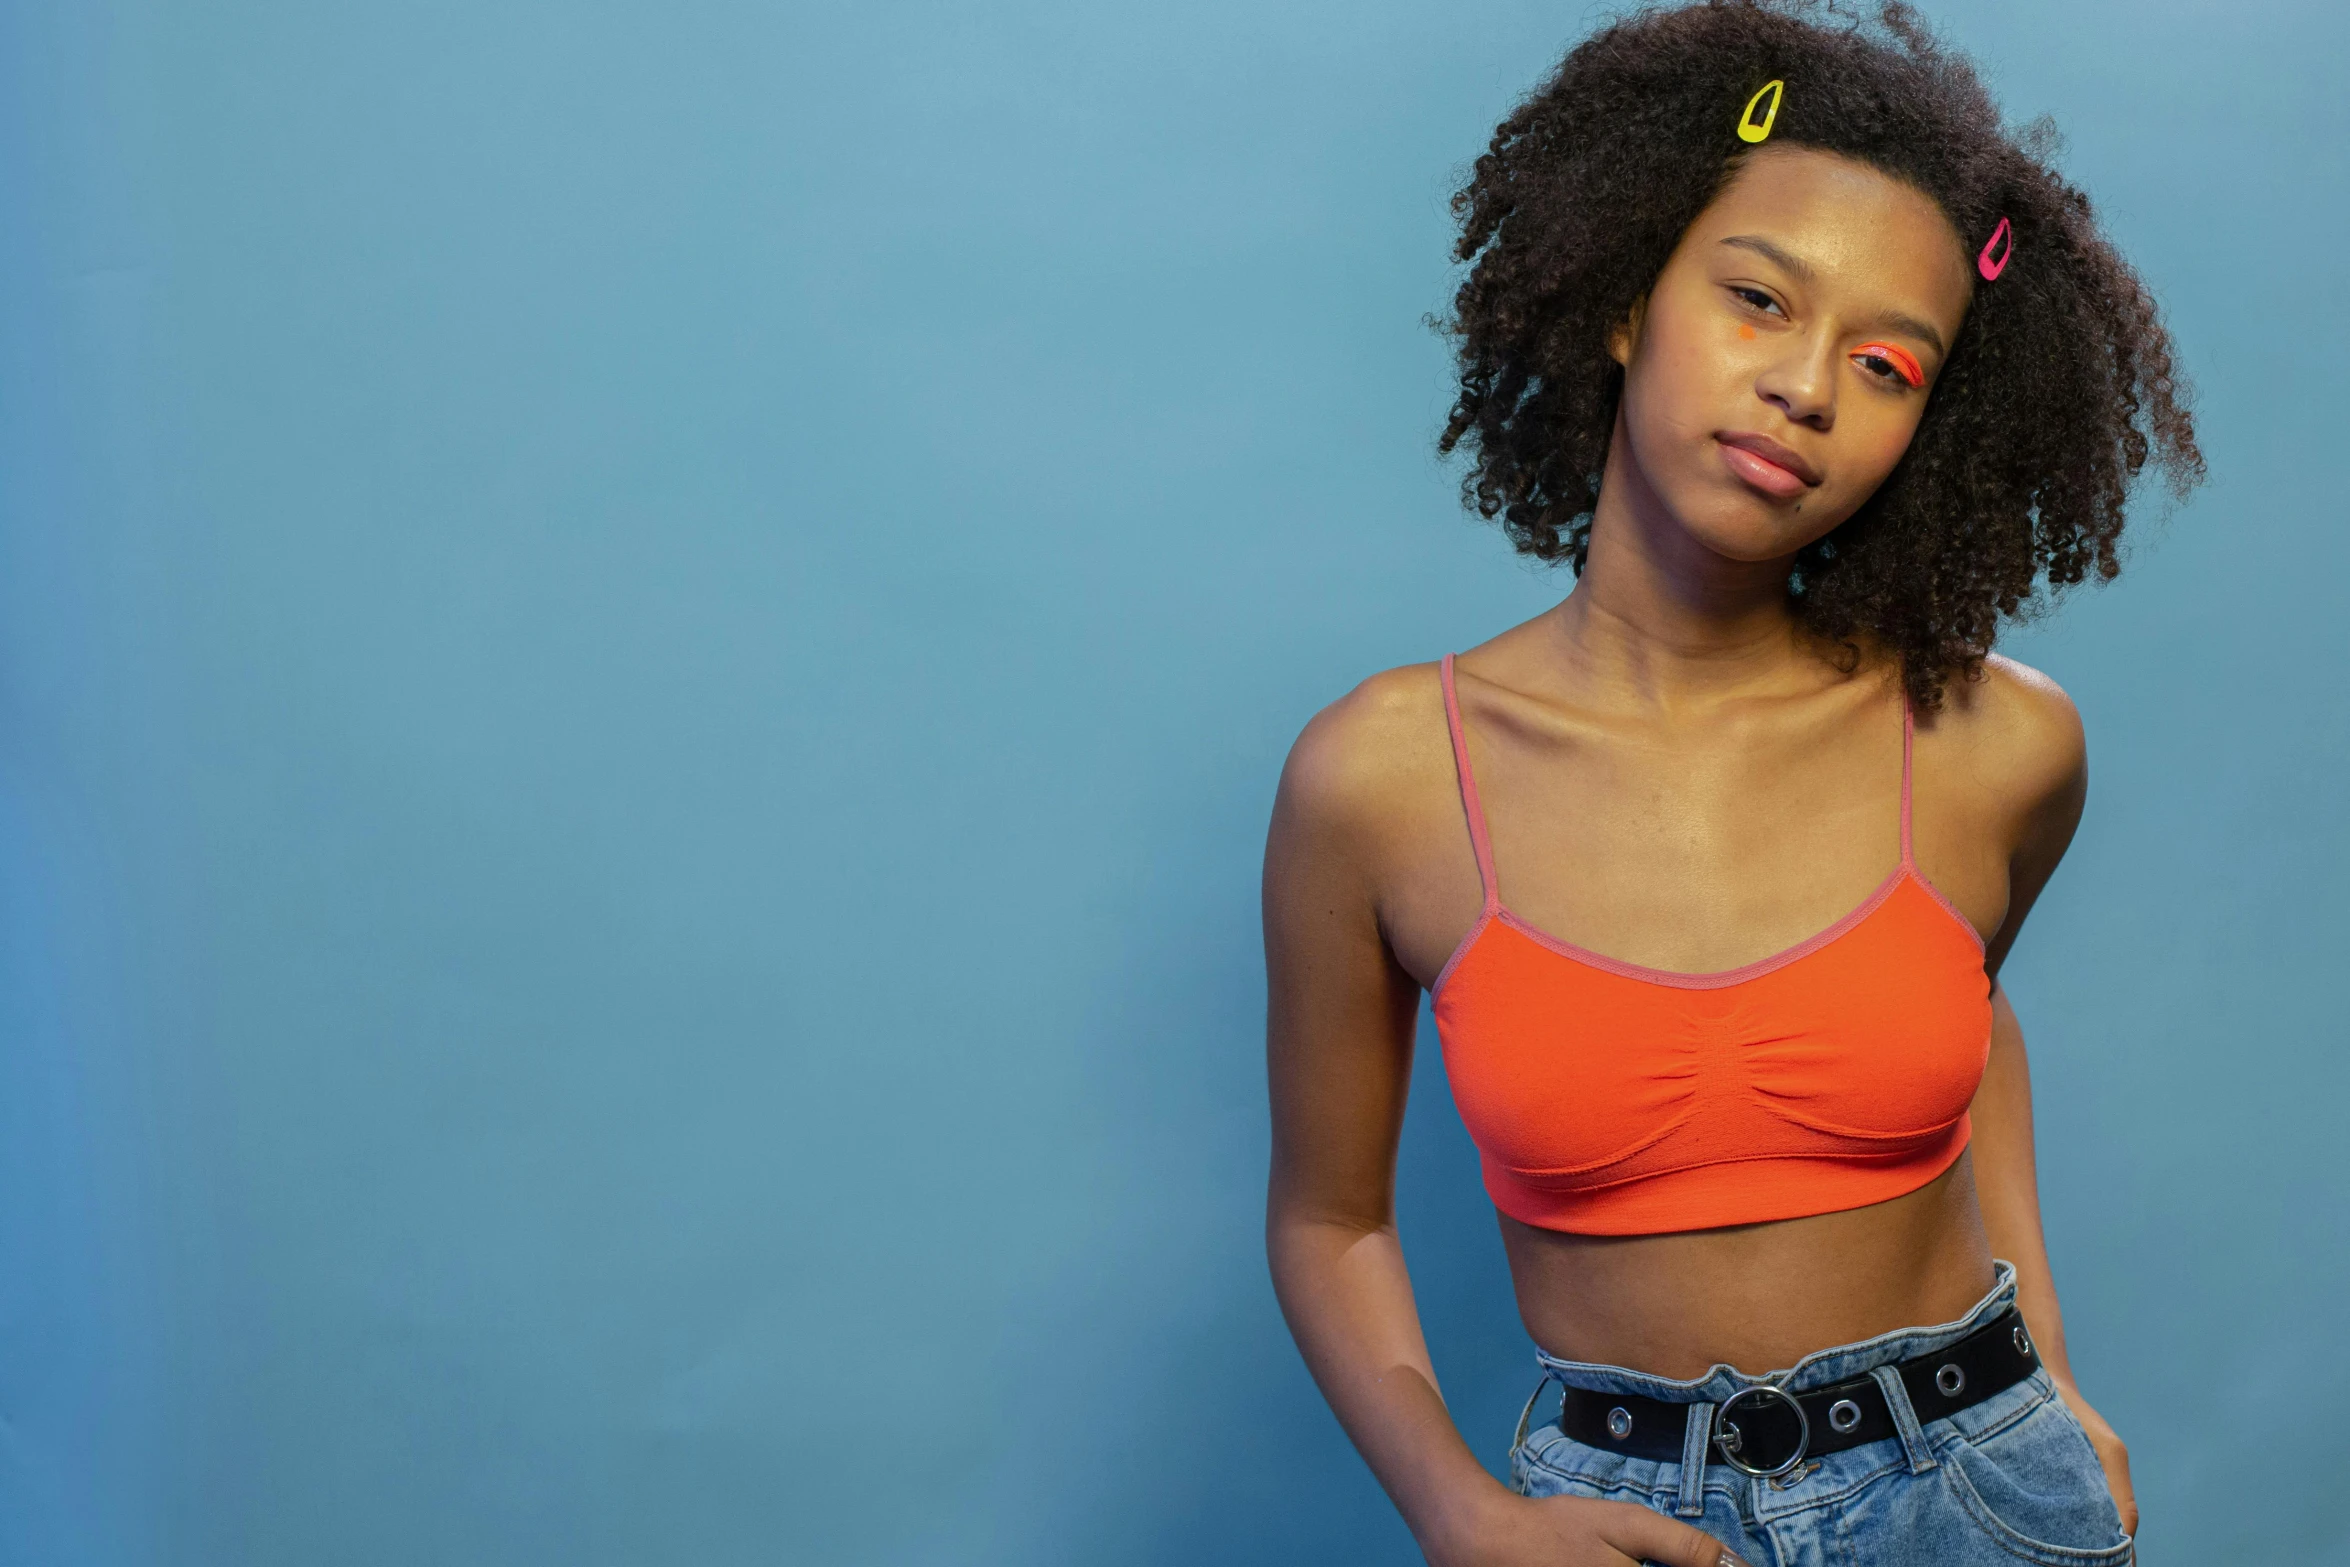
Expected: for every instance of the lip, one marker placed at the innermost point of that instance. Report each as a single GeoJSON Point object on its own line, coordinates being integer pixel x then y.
{"type": "Point", "coordinates": [1770, 467]}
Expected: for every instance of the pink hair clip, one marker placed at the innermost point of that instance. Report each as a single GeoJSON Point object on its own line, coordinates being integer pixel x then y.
{"type": "Point", "coordinates": [1984, 264]}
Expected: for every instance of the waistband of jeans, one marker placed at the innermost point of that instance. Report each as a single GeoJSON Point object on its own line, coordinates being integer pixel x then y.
{"type": "Point", "coordinates": [1817, 1369]}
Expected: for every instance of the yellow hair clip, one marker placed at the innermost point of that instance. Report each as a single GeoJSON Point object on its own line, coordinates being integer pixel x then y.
{"type": "Point", "coordinates": [1748, 129]}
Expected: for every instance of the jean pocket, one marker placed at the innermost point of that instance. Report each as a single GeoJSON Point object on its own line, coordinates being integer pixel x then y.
{"type": "Point", "coordinates": [1553, 1464]}
{"type": "Point", "coordinates": [2037, 1489]}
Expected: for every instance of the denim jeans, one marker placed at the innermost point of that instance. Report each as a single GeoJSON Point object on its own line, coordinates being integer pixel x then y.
{"type": "Point", "coordinates": [2011, 1479]}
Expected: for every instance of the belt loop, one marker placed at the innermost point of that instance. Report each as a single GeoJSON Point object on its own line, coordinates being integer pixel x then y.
{"type": "Point", "coordinates": [1905, 1418]}
{"type": "Point", "coordinates": [1526, 1414]}
{"type": "Point", "coordinates": [1696, 1433]}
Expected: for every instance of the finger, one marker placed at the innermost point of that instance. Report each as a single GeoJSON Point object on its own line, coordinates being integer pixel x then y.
{"type": "Point", "coordinates": [1651, 1537]}
{"type": "Point", "coordinates": [2125, 1495]}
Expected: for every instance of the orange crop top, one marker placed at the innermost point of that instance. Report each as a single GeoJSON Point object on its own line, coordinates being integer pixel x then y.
{"type": "Point", "coordinates": [1606, 1098]}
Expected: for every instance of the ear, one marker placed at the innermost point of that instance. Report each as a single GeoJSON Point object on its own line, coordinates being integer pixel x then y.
{"type": "Point", "coordinates": [1624, 336]}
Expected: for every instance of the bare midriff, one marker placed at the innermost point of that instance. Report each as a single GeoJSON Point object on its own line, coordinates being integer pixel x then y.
{"type": "Point", "coordinates": [1758, 1297]}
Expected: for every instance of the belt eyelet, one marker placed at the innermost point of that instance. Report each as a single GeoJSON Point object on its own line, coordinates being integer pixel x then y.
{"type": "Point", "coordinates": [1950, 1380]}
{"type": "Point", "coordinates": [1844, 1417]}
{"type": "Point", "coordinates": [1619, 1422]}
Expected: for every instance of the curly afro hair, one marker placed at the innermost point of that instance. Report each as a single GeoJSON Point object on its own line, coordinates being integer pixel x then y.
{"type": "Point", "coordinates": [2057, 393]}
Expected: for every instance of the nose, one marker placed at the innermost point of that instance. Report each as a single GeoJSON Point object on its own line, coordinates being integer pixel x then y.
{"type": "Point", "coordinates": [1801, 383]}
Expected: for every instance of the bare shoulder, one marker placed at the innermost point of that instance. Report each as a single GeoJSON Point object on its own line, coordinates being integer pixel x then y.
{"type": "Point", "coordinates": [2015, 740]}
{"type": "Point", "coordinates": [1367, 756]}
{"type": "Point", "coordinates": [2018, 733]}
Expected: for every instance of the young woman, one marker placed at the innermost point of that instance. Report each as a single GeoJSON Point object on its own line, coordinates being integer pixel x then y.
{"type": "Point", "coordinates": [1812, 373]}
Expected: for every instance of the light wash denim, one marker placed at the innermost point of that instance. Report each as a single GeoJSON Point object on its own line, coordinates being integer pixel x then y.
{"type": "Point", "coordinates": [2011, 1479]}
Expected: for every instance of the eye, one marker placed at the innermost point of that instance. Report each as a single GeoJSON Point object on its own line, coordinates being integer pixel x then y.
{"type": "Point", "coordinates": [1889, 363]}
{"type": "Point", "coordinates": [1755, 299]}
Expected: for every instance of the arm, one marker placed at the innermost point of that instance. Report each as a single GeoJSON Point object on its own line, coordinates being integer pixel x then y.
{"type": "Point", "coordinates": [2007, 1183]}
{"type": "Point", "coordinates": [1340, 1017]}
{"type": "Point", "coordinates": [2052, 759]}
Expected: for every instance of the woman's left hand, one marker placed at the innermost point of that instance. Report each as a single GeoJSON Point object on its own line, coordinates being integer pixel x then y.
{"type": "Point", "coordinates": [2110, 1452]}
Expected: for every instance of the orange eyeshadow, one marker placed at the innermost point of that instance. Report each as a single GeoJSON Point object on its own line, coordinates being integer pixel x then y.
{"type": "Point", "coordinates": [1898, 358]}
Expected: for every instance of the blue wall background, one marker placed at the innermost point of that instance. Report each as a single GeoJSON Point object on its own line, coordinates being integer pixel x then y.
{"type": "Point", "coordinates": [642, 654]}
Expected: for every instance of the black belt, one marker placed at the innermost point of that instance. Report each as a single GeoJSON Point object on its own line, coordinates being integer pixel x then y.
{"type": "Point", "coordinates": [1763, 1431]}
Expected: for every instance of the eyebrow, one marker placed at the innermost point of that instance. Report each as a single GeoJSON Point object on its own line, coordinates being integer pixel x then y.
{"type": "Point", "coordinates": [1801, 270]}
{"type": "Point", "coordinates": [1787, 260]}
{"type": "Point", "coordinates": [1899, 321]}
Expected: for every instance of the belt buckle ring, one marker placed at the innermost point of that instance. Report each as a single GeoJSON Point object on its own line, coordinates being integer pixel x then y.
{"type": "Point", "coordinates": [1729, 1440]}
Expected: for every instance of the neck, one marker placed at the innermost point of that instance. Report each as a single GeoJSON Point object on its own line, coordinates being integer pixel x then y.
{"type": "Point", "coordinates": [1661, 618]}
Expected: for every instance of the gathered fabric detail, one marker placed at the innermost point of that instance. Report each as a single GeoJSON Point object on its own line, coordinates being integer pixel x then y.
{"type": "Point", "coordinates": [1611, 1098]}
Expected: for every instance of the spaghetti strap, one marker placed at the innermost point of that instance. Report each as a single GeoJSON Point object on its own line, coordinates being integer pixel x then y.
{"type": "Point", "coordinates": [1908, 727]}
{"type": "Point", "coordinates": [1479, 839]}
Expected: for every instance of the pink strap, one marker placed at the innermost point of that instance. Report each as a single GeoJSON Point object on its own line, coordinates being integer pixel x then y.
{"type": "Point", "coordinates": [1478, 838]}
{"type": "Point", "coordinates": [1906, 729]}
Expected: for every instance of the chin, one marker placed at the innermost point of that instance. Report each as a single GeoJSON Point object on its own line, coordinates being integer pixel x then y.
{"type": "Point", "coordinates": [1751, 530]}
